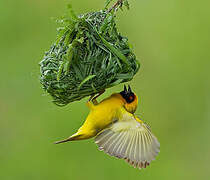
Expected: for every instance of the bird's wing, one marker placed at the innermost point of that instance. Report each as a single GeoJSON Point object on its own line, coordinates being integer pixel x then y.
{"type": "Point", "coordinates": [130, 139]}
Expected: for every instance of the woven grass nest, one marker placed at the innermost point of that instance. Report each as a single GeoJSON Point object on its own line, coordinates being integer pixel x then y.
{"type": "Point", "coordinates": [88, 56]}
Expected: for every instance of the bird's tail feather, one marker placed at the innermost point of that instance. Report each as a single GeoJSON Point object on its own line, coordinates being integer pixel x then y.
{"type": "Point", "coordinates": [71, 138]}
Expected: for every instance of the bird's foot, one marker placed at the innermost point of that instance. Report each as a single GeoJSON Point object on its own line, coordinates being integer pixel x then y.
{"type": "Point", "coordinates": [93, 98]}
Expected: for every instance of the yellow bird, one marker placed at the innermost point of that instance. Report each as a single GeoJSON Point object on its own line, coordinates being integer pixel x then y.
{"type": "Point", "coordinates": [118, 131]}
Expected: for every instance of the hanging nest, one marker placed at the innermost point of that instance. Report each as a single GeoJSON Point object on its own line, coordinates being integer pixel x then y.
{"type": "Point", "coordinates": [89, 56]}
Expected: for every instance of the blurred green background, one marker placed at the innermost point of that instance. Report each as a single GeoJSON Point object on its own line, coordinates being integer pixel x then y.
{"type": "Point", "coordinates": [171, 40]}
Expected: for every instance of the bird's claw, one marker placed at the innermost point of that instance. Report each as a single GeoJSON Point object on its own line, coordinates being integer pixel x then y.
{"type": "Point", "coordinates": [93, 97]}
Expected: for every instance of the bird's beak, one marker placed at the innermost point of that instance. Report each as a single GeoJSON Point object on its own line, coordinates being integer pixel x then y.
{"type": "Point", "coordinates": [129, 89]}
{"type": "Point", "coordinates": [125, 89]}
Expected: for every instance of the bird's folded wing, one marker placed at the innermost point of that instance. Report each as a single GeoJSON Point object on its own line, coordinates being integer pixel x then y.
{"type": "Point", "coordinates": [129, 140]}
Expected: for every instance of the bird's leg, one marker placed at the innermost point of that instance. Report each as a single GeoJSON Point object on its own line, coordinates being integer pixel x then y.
{"type": "Point", "coordinates": [90, 103]}
{"type": "Point", "coordinates": [92, 100]}
{"type": "Point", "coordinates": [91, 97]}
{"type": "Point", "coordinates": [95, 102]}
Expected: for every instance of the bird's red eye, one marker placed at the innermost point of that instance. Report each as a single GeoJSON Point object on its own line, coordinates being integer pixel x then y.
{"type": "Point", "coordinates": [130, 98]}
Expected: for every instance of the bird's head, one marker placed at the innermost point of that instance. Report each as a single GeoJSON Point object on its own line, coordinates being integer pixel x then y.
{"type": "Point", "coordinates": [131, 100]}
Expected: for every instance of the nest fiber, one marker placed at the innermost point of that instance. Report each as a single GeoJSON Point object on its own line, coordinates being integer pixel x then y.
{"type": "Point", "coordinates": [88, 57]}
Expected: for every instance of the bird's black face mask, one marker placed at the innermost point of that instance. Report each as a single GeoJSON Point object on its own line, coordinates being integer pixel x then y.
{"type": "Point", "coordinates": [127, 94]}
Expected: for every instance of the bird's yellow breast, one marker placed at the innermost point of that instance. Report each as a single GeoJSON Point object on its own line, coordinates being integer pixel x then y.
{"type": "Point", "coordinates": [103, 114]}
